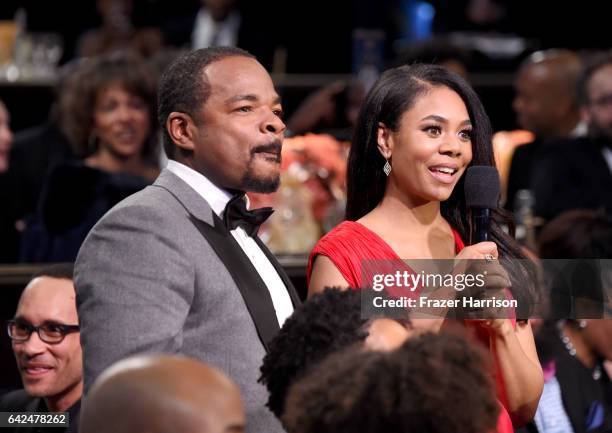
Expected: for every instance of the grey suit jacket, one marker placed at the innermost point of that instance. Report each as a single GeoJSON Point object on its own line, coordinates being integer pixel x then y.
{"type": "Point", "coordinates": [158, 274]}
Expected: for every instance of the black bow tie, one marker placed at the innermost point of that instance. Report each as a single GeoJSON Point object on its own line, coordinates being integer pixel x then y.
{"type": "Point", "coordinates": [237, 215]}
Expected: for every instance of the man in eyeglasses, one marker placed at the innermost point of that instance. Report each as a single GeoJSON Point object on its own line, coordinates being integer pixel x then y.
{"type": "Point", "coordinates": [45, 340]}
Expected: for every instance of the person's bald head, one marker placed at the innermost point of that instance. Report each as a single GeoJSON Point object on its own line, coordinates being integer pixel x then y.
{"type": "Point", "coordinates": [163, 394]}
{"type": "Point", "coordinates": [546, 100]}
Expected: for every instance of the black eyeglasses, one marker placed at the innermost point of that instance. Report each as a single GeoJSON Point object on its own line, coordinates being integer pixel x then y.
{"type": "Point", "coordinates": [52, 333]}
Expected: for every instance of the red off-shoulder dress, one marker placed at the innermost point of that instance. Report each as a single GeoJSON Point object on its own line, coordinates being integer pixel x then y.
{"type": "Point", "coordinates": [350, 246]}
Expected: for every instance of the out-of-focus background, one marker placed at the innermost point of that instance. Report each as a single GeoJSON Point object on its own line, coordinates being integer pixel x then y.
{"type": "Point", "coordinates": [323, 57]}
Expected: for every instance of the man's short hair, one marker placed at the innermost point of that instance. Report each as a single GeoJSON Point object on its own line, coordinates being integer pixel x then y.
{"type": "Point", "coordinates": [59, 270]}
{"type": "Point", "coordinates": [434, 383]}
{"type": "Point", "coordinates": [183, 88]}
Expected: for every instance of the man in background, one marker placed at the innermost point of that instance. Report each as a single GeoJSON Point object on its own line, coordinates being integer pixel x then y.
{"type": "Point", "coordinates": [45, 339]}
{"type": "Point", "coordinates": [546, 104]}
{"type": "Point", "coordinates": [577, 173]}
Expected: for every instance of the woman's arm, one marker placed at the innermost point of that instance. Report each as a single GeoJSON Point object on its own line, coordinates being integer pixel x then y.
{"type": "Point", "coordinates": [516, 360]}
{"type": "Point", "coordinates": [325, 274]}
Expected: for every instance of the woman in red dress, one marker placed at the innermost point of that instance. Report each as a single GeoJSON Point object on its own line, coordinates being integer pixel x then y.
{"type": "Point", "coordinates": [419, 129]}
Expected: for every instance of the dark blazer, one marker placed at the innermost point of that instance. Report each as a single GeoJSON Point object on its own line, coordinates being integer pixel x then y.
{"type": "Point", "coordinates": [161, 273]}
{"type": "Point", "coordinates": [572, 174]}
{"type": "Point", "coordinates": [34, 152]}
{"type": "Point", "coordinates": [587, 403]}
{"type": "Point", "coordinates": [73, 199]}
{"type": "Point", "coordinates": [20, 401]}
{"type": "Point", "coordinates": [584, 397]}
{"type": "Point", "coordinates": [9, 246]}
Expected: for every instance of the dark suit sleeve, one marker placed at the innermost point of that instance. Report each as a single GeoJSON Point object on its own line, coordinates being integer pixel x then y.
{"type": "Point", "coordinates": [550, 183]}
{"type": "Point", "coordinates": [134, 288]}
{"type": "Point", "coordinates": [560, 184]}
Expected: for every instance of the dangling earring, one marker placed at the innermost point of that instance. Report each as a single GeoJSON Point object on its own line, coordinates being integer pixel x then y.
{"type": "Point", "coordinates": [387, 166]}
{"type": "Point", "coordinates": [582, 324]}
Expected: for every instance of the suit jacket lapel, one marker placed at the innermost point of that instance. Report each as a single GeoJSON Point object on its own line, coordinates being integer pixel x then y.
{"type": "Point", "coordinates": [599, 167]}
{"type": "Point", "coordinates": [252, 288]}
{"type": "Point", "coordinates": [295, 299]}
{"type": "Point", "coordinates": [186, 195]}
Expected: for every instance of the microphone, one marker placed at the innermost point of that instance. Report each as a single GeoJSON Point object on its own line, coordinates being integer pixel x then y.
{"type": "Point", "coordinates": [481, 195]}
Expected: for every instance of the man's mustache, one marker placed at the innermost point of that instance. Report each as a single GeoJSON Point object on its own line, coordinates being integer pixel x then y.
{"type": "Point", "coordinates": [272, 147]}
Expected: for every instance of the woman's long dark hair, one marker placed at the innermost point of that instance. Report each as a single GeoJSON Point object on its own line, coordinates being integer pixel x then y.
{"type": "Point", "coordinates": [396, 92]}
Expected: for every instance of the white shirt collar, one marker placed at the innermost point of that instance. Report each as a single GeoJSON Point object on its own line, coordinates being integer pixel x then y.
{"type": "Point", "coordinates": [216, 197]}
{"type": "Point", "coordinates": [607, 153]}
{"type": "Point", "coordinates": [580, 130]}
{"type": "Point", "coordinates": [205, 28]}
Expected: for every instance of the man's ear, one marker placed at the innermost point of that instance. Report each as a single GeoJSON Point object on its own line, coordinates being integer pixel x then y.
{"type": "Point", "coordinates": [181, 129]}
{"type": "Point", "coordinates": [384, 140]}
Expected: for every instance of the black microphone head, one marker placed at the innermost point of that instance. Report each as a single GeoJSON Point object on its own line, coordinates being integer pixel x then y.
{"type": "Point", "coordinates": [482, 187]}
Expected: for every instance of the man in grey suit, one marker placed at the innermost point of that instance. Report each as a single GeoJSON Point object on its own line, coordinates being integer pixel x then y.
{"type": "Point", "coordinates": [177, 267]}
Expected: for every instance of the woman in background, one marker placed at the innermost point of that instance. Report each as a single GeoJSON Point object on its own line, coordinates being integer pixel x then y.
{"type": "Point", "coordinates": [112, 126]}
{"type": "Point", "coordinates": [577, 393]}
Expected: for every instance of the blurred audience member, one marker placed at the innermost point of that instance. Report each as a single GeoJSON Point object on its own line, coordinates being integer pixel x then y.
{"type": "Point", "coordinates": [437, 51]}
{"type": "Point", "coordinates": [546, 105]}
{"type": "Point", "coordinates": [577, 394]}
{"type": "Point", "coordinates": [332, 109]}
{"type": "Point", "coordinates": [118, 33]}
{"type": "Point", "coordinates": [578, 235]}
{"type": "Point", "coordinates": [217, 24]}
{"type": "Point", "coordinates": [6, 138]}
{"type": "Point", "coordinates": [326, 323]}
{"type": "Point", "coordinates": [38, 149]}
{"type": "Point", "coordinates": [163, 58]}
{"type": "Point", "coordinates": [45, 339]}
{"type": "Point", "coordinates": [227, 23]}
{"type": "Point", "coordinates": [163, 394]}
{"type": "Point", "coordinates": [480, 16]}
{"type": "Point", "coordinates": [8, 231]}
{"type": "Point", "coordinates": [579, 290]}
{"type": "Point", "coordinates": [435, 383]}
{"type": "Point", "coordinates": [578, 172]}
{"type": "Point", "coordinates": [112, 126]}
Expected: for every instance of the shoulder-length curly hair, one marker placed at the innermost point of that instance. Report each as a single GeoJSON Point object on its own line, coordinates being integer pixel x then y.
{"type": "Point", "coordinates": [81, 88]}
